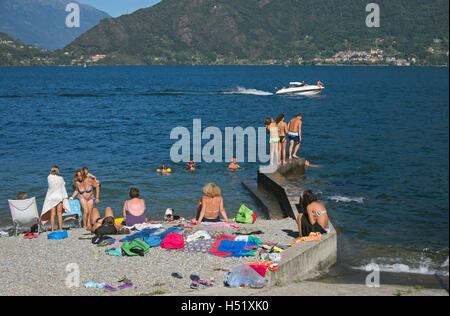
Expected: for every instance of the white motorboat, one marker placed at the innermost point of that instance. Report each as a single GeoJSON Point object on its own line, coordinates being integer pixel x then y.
{"type": "Point", "coordinates": [301, 88]}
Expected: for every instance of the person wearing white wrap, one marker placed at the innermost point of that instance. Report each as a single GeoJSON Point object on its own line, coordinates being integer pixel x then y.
{"type": "Point", "coordinates": [53, 204]}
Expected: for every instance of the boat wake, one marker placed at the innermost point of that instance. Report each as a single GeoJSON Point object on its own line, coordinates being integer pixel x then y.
{"type": "Point", "coordinates": [242, 90]}
{"type": "Point", "coordinates": [344, 199]}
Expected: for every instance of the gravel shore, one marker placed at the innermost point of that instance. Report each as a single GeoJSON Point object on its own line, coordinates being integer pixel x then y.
{"type": "Point", "coordinates": [38, 266]}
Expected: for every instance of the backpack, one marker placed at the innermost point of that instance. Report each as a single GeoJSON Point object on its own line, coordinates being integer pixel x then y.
{"type": "Point", "coordinates": [173, 241]}
{"type": "Point", "coordinates": [106, 230]}
{"type": "Point", "coordinates": [245, 215]}
{"type": "Point", "coordinates": [137, 247]}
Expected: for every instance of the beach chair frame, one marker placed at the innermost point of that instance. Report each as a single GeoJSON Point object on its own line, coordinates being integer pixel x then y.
{"type": "Point", "coordinates": [34, 218]}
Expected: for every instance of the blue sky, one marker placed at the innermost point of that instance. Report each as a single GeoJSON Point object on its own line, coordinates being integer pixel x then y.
{"type": "Point", "coordinates": [116, 8]}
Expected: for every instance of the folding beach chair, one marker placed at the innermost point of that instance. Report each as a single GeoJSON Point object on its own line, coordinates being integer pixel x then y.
{"type": "Point", "coordinates": [72, 210]}
{"type": "Point", "coordinates": [24, 214]}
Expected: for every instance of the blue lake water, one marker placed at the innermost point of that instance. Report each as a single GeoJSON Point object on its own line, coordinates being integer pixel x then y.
{"type": "Point", "coordinates": [380, 136]}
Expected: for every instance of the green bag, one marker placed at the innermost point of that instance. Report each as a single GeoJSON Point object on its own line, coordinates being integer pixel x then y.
{"type": "Point", "coordinates": [245, 215]}
{"type": "Point", "coordinates": [137, 247]}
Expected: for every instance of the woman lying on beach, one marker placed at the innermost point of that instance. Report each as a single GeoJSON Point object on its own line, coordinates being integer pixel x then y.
{"type": "Point", "coordinates": [84, 191]}
{"type": "Point", "coordinates": [211, 205]}
{"type": "Point", "coordinates": [53, 204]}
{"type": "Point", "coordinates": [134, 209]}
{"type": "Point", "coordinates": [313, 217]}
{"type": "Point", "coordinates": [105, 225]}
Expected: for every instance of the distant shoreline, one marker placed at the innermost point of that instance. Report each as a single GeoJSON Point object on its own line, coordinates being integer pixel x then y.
{"type": "Point", "coordinates": [224, 65]}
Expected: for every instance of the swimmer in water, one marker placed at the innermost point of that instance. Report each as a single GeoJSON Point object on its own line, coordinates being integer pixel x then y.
{"type": "Point", "coordinates": [233, 165]}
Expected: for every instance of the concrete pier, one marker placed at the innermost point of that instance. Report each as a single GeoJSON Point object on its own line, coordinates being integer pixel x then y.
{"type": "Point", "coordinates": [278, 197]}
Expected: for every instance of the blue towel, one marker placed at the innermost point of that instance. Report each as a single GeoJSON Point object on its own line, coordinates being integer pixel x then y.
{"type": "Point", "coordinates": [142, 234]}
{"type": "Point", "coordinates": [236, 248]}
{"type": "Point", "coordinates": [156, 240]}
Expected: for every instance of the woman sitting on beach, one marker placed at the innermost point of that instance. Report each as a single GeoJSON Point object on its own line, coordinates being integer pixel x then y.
{"type": "Point", "coordinates": [211, 205]}
{"type": "Point", "coordinates": [134, 209]}
{"type": "Point", "coordinates": [84, 191]}
{"type": "Point", "coordinates": [53, 204]}
{"type": "Point", "coordinates": [105, 225]}
{"type": "Point", "coordinates": [313, 217]}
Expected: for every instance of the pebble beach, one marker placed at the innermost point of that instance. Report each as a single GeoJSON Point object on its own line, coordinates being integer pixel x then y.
{"type": "Point", "coordinates": [37, 267]}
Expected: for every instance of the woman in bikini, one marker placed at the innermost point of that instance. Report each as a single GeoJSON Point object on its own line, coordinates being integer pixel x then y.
{"type": "Point", "coordinates": [84, 191]}
{"type": "Point", "coordinates": [211, 205]}
{"type": "Point", "coordinates": [313, 217]}
{"type": "Point", "coordinates": [134, 209]}
{"type": "Point", "coordinates": [283, 130]}
{"type": "Point", "coordinates": [273, 130]}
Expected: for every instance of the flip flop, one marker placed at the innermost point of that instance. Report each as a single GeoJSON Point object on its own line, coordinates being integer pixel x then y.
{"type": "Point", "coordinates": [122, 278]}
{"type": "Point", "coordinates": [125, 285]}
{"type": "Point", "coordinates": [194, 285]}
{"type": "Point", "coordinates": [26, 236]}
{"type": "Point", "coordinates": [205, 283]}
{"type": "Point", "coordinates": [177, 275]}
{"type": "Point", "coordinates": [110, 288]}
{"type": "Point", "coordinates": [195, 278]}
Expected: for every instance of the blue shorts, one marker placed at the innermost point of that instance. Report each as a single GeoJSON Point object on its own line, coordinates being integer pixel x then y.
{"type": "Point", "coordinates": [295, 138]}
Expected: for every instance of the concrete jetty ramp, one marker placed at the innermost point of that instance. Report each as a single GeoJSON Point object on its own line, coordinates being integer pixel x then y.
{"type": "Point", "coordinates": [279, 197]}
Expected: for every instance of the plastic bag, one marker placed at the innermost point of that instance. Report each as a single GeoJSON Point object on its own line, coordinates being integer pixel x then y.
{"type": "Point", "coordinates": [245, 276]}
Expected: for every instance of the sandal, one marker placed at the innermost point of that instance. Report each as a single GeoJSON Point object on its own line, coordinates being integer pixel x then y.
{"type": "Point", "coordinates": [205, 283]}
{"type": "Point", "coordinates": [125, 285]}
{"type": "Point", "coordinates": [194, 285]}
{"type": "Point", "coordinates": [109, 288]}
{"type": "Point", "coordinates": [177, 275]}
{"type": "Point", "coordinates": [195, 278]}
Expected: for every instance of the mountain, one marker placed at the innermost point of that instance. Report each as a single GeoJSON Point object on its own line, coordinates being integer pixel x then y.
{"type": "Point", "coordinates": [17, 53]}
{"type": "Point", "coordinates": [268, 31]}
{"type": "Point", "coordinates": [43, 22]}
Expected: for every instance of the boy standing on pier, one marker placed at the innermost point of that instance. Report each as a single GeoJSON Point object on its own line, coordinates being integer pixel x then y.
{"type": "Point", "coordinates": [295, 135]}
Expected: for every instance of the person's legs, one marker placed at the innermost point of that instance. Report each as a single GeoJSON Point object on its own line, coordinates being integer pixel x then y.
{"type": "Point", "coordinates": [52, 218]}
{"type": "Point", "coordinates": [291, 148]}
{"type": "Point", "coordinates": [59, 210]}
{"type": "Point", "coordinates": [84, 206]}
{"type": "Point", "coordinates": [109, 212]}
{"type": "Point", "coordinates": [297, 147]}
{"type": "Point", "coordinates": [283, 151]}
{"type": "Point", "coordinates": [90, 207]}
{"type": "Point", "coordinates": [95, 215]}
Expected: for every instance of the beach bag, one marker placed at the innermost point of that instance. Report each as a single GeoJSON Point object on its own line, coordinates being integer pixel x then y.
{"type": "Point", "coordinates": [245, 215]}
{"type": "Point", "coordinates": [243, 275]}
{"type": "Point", "coordinates": [173, 241]}
{"type": "Point", "coordinates": [137, 247]}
